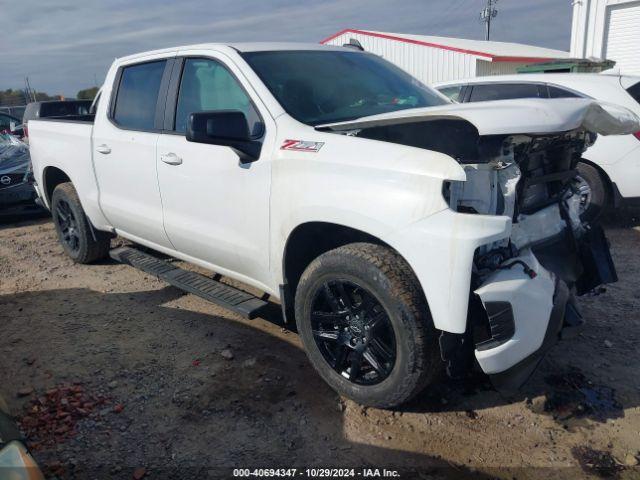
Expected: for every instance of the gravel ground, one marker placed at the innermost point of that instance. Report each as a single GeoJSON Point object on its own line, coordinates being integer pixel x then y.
{"type": "Point", "coordinates": [145, 381]}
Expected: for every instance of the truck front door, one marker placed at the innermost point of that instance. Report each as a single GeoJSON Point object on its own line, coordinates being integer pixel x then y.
{"type": "Point", "coordinates": [125, 138]}
{"type": "Point", "coordinates": [216, 209]}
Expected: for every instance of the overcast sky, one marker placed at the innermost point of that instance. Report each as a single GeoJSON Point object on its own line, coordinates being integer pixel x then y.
{"type": "Point", "coordinates": [63, 45]}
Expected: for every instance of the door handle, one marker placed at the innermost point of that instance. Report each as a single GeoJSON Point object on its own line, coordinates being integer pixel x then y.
{"type": "Point", "coordinates": [104, 149]}
{"type": "Point", "coordinates": [171, 159]}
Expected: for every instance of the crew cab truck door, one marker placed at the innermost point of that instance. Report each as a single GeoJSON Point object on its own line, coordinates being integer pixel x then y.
{"type": "Point", "coordinates": [216, 208]}
{"type": "Point", "coordinates": [124, 150]}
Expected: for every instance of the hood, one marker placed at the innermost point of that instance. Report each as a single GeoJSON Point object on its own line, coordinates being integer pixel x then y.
{"type": "Point", "coordinates": [509, 117]}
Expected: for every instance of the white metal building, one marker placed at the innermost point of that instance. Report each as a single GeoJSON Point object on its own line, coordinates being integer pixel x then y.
{"type": "Point", "coordinates": [437, 59]}
{"type": "Point", "coordinates": [608, 29]}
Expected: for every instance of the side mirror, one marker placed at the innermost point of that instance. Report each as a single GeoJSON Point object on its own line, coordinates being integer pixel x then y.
{"type": "Point", "coordinates": [229, 128]}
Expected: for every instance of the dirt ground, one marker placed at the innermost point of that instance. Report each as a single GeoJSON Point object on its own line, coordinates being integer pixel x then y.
{"type": "Point", "coordinates": [150, 382]}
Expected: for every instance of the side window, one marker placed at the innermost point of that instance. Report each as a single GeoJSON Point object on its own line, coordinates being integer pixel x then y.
{"type": "Point", "coordinates": [207, 85]}
{"type": "Point", "coordinates": [453, 93]}
{"type": "Point", "coordinates": [137, 95]}
{"type": "Point", "coordinates": [504, 91]}
{"type": "Point", "coordinates": [557, 92]}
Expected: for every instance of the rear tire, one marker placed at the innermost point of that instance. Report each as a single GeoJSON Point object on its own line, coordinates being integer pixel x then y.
{"type": "Point", "coordinates": [72, 226]}
{"type": "Point", "coordinates": [387, 317]}
{"type": "Point", "coordinates": [596, 200]}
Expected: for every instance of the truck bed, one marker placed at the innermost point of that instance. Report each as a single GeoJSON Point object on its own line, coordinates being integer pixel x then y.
{"type": "Point", "coordinates": [66, 144]}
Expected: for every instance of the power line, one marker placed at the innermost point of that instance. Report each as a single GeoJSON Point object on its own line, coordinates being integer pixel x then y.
{"type": "Point", "coordinates": [487, 13]}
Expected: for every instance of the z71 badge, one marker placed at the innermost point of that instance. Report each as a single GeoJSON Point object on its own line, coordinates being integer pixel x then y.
{"type": "Point", "coordinates": [301, 145]}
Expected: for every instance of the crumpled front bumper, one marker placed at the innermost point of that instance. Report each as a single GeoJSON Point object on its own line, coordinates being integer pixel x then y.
{"type": "Point", "coordinates": [525, 317]}
{"type": "Point", "coordinates": [441, 249]}
{"type": "Point", "coordinates": [513, 377]}
{"type": "Point", "coordinates": [528, 315]}
{"type": "Point", "coordinates": [518, 310]}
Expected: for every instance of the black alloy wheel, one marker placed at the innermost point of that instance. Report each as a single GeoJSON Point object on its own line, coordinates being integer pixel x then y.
{"type": "Point", "coordinates": [353, 332]}
{"type": "Point", "coordinates": [81, 242]}
{"type": "Point", "coordinates": [365, 325]}
{"type": "Point", "coordinates": [68, 226]}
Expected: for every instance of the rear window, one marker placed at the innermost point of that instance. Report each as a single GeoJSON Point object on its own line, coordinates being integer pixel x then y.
{"type": "Point", "coordinates": [557, 92]}
{"type": "Point", "coordinates": [634, 91]}
{"type": "Point", "coordinates": [137, 95]}
{"type": "Point", "coordinates": [504, 91]}
{"type": "Point", "coordinates": [64, 109]}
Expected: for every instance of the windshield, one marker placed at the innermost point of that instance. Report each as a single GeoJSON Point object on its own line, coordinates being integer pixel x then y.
{"type": "Point", "coordinates": [317, 87]}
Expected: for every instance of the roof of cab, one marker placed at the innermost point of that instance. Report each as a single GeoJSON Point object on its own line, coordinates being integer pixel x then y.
{"type": "Point", "coordinates": [275, 46]}
{"type": "Point", "coordinates": [240, 47]}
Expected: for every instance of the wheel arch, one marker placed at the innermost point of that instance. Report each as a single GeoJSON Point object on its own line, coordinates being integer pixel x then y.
{"type": "Point", "coordinates": [51, 178]}
{"type": "Point", "coordinates": [308, 241]}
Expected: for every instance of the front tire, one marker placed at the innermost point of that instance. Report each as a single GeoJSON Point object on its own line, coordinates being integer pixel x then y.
{"type": "Point", "coordinates": [593, 191]}
{"type": "Point", "coordinates": [73, 229]}
{"type": "Point", "coordinates": [365, 325]}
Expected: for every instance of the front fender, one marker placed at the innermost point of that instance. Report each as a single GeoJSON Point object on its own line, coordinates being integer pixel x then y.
{"type": "Point", "coordinates": [367, 198]}
{"type": "Point", "coordinates": [321, 214]}
{"type": "Point", "coordinates": [440, 250]}
{"type": "Point", "coordinates": [378, 188]}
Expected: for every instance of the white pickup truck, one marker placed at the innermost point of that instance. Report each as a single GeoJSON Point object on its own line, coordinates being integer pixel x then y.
{"type": "Point", "coordinates": [404, 234]}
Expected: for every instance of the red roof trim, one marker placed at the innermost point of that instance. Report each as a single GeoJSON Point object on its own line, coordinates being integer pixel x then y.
{"type": "Point", "coordinates": [493, 58]}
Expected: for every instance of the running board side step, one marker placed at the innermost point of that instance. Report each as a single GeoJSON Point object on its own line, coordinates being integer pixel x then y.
{"type": "Point", "coordinates": [216, 292]}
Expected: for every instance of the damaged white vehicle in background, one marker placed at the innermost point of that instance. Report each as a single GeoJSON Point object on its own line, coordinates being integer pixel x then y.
{"type": "Point", "coordinates": [403, 233]}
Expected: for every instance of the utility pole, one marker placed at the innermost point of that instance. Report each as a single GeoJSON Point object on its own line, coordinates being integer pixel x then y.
{"type": "Point", "coordinates": [31, 93]}
{"type": "Point", "coordinates": [487, 14]}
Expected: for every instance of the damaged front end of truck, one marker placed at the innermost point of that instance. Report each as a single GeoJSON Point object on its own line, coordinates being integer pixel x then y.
{"type": "Point", "coordinates": [523, 287]}
{"type": "Point", "coordinates": [520, 161]}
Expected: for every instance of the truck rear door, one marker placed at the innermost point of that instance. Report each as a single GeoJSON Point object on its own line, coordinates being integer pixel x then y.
{"type": "Point", "coordinates": [124, 143]}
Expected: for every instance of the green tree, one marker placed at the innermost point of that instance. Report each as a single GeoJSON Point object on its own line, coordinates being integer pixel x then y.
{"type": "Point", "coordinates": [87, 93]}
{"type": "Point", "coordinates": [10, 97]}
